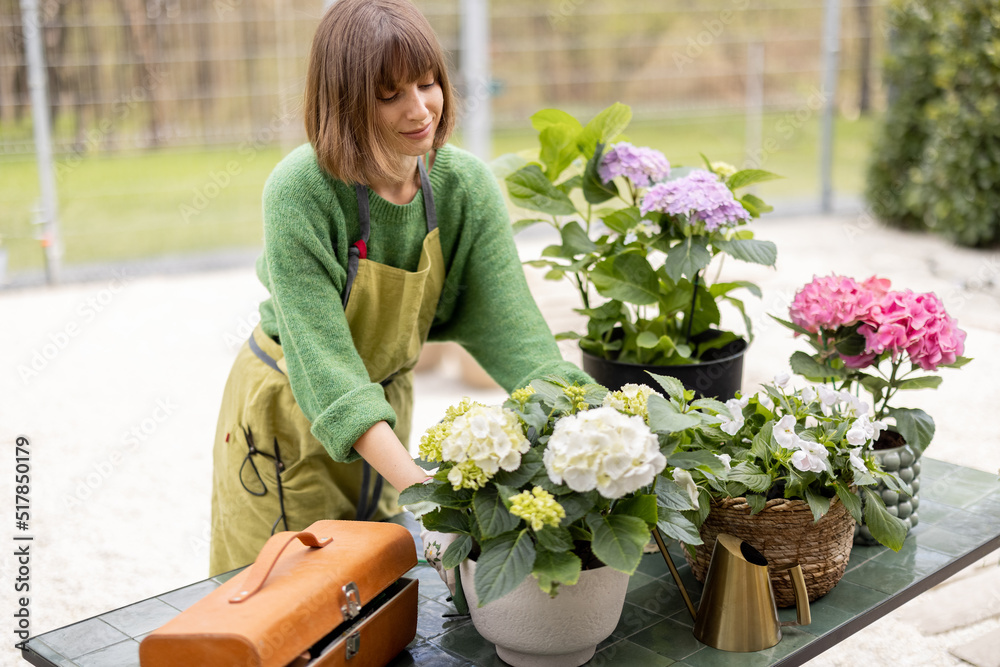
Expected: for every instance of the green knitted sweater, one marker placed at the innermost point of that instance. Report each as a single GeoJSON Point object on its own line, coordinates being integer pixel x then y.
{"type": "Point", "coordinates": [310, 221]}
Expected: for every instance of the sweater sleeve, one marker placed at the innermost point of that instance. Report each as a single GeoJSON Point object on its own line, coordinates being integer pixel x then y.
{"type": "Point", "coordinates": [494, 315]}
{"type": "Point", "coordinates": [328, 378]}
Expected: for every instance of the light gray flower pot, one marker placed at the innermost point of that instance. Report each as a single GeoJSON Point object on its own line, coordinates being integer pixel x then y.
{"type": "Point", "coordinates": [530, 629]}
{"type": "Point", "coordinates": [906, 464]}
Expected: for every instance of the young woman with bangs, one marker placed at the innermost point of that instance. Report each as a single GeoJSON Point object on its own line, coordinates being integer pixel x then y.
{"type": "Point", "coordinates": [378, 236]}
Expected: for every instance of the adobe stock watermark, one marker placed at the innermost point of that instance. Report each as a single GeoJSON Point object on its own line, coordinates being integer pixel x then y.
{"type": "Point", "coordinates": [786, 127]}
{"type": "Point", "coordinates": [244, 327]}
{"type": "Point", "coordinates": [704, 38]}
{"type": "Point", "coordinates": [567, 8]}
{"type": "Point", "coordinates": [87, 311]}
{"type": "Point", "coordinates": [129, 442]}
{"type": "Point", "coordinates": [221, 179]}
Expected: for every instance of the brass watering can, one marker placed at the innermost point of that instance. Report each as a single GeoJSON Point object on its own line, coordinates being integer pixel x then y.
{"type": "Point", "coordinates": [737, 611]}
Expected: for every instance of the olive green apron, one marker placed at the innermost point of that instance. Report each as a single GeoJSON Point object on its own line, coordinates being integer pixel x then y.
{"type": "Point", "coordinates": [269, 472]}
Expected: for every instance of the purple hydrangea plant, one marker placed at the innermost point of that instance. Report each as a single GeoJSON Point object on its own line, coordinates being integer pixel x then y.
{"type": "Point", "coordinates": [643, 166]}
{"type": "Point", "coordinates": [701, 196]}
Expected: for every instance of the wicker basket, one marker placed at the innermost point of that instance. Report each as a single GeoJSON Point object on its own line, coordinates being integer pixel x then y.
{"type": "Point", "coordinates": [786, 534]}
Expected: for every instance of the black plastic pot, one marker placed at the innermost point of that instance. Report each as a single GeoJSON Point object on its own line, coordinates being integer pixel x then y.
{"type": "Point", "coordinates": [718, 375]}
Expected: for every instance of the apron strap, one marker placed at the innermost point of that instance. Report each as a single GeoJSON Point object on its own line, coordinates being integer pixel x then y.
{"type": "Point", "coordinates": [262, 355]}
{"type": "Point", "coordinates": [425, 186]}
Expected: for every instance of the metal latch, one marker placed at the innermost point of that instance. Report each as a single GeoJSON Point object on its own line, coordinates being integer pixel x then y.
{"type": "Point", "coordinates": [353, 597]}
{"type": "Point", "coordinates": [353, 645]}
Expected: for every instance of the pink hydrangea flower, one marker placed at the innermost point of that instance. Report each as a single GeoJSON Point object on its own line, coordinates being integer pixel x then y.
{"type": "Point", "coordinates": [834, 301]}
{"type": "Point", "coordinates": [916, 324]}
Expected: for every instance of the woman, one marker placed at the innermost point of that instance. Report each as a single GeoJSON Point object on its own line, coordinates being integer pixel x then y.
{"type": "Point", "coordinates": [377, 237]}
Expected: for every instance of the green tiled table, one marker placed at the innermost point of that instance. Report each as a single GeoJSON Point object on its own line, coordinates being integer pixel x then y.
{"type": "Point", "coordinates": [959, 524]}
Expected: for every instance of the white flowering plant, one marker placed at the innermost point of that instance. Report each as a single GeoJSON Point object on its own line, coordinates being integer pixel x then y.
{"type": "Point", "coordinates": [811, 443]}
{"type": "Point", "coordinates": [637, 236]}
{"type": "Point", "coordinates": [560, 478]}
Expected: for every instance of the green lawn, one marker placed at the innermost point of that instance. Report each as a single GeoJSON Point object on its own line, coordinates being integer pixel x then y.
{"type": "Point", "coordinates": [172, 201]}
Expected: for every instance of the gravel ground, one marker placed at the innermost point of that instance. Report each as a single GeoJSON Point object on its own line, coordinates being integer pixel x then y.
{"type": "Point", "coordinates": [117, 383]}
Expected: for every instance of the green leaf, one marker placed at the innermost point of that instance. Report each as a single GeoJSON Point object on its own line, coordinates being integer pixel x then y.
{"type": "Point", "coordinates": [642, 506]}
{"type": "Point", "coordinates": [627, 277]}
{"type": "Point", "coordinates": [506, 164]}
{"type": "Point", "coordinates": [604, 127]}
{"type": "Point", "coordinates": [622, 220]}
{"type": "Point", "coordinates": [503, 565]}
{"type": "Point", "coordinates": [958, 363]}
{"type": "Point", "coordinates": [529, 188]}
{"type": "Point", "coordinates": [570, 184]}
{"type": "Point", "coordinates": [695, 459]}
{"type": "Point", "coordinates": [792, 326]}
{"type": "Point", "coordinates": [751, 476]}
{"type": "Point", "coordinates": [494, 518]}
{"type": "Point", "coordinates": [445, 496]}
{"type": "Point", "coordinates": [720, 289]}
{"type": "Point", "coordinates": [819, 505]}
{"type": "Point", "coordinates": [852, 345]}
{"type": "Point", "coordinates": [554, 568]}
{"type": "Point", "coordinates": [548, 117]}
{"type": "Point", "coordinates": [746, 177]}
{"type": "Point", "coordinates": [554, 539]}
{"type": "Point", "coordinates": [755, 205]}
{"type": "Point", "coordinates": [446, 520]}
{"type": "Point", "coordinates": [676, 525]}
{"type": "Point", "coordinates": [687, 258]}
{"type": "Point", "coordinates": [456, 552]}
{"type": "Point", "coordinates": [670, 496]}
{"type": "Point", "coordinates": [884, 527]}
{"type": "Point", "coordinates": [664, 417]}
{"type": "Point", "coordinates": [647, 340]}
{"type": "Point", "coordinates": [577, 506]}
{"type": "Point", "coordinates": [923, 382]}
{"type": "Point", "coordinates": [531, 461]}
{"type": "Point", "coordinates": [811, 369]}
{"type": "Point", "coordinates": [874, 383]}
{"type": "Point", "coordinates": [559, 149]}
{"type": "Point", "coordinates": [416, 493]}
{"type": "Point", "coordinates": [618, 540]}
{"type": "Point", "coordinates": [916, 427]}
{"type": "Point", "coordinates": [575, 240]}
{"type": "Point", "coordinates": [671, 385]}
{"type": "Point", "coordinates": [850, 499]}
{"type": "Point", "coordinates": [749, 250]}
{"type": "Point", "coordinates": [756, 503]}
{"type": "Point", "coordinates": [595, 190]}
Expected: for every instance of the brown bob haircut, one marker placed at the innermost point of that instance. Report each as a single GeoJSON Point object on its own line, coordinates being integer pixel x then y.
{"type": "Point", "coordinates": [362, 48]}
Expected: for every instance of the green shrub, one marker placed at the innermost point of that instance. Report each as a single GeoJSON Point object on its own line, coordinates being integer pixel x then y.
{"type": "Point", "coordinates": [936, 163]}
{"type": "Point", "coordinates": [899, 147]}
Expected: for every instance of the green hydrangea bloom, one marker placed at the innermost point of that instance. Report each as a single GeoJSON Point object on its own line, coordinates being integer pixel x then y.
{"type": "Point", "coordinates": [538, 507]}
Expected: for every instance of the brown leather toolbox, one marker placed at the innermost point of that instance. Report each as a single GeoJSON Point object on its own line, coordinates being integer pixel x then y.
{"type": "Point", "coordinates": [332, 594]}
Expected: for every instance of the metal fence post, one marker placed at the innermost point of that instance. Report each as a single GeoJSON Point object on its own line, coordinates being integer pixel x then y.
{"type": "Point", "coordinates": [476, 77]}
{"type": "Point", "coordinates": [38, 84]}
{"type": "Point", "coordinates": [831, 52]}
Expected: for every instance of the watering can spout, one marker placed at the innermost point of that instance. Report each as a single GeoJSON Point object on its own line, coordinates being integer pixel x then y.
{"type": "Point", "coordinates": [737, 610]}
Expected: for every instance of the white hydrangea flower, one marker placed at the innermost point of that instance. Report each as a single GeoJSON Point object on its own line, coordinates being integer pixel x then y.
{"type": "Point", "coordinates": [491, 437]}
{"type": "Point", "coordinates": [631, 237]}
{"type": "Point", "coordinates": [735, 407]}
{"type": "Point", "coordinates": [784, 432]}
{"type": "Point", "coordinates": [810, 456]}
{"type": "Point", "coordinates": [683, 479]}
{"type": "Point", "coordinates": [603, 449]}
{"type": "Point", "coordinates": [632, 399]}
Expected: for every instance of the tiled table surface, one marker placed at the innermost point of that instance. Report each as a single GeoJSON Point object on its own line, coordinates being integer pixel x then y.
{"type": "Point", "coordinates": [959, 523]}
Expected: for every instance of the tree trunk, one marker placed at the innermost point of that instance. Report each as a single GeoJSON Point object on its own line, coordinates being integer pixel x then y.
{"type": "Point", "coordinates": [864, 56]}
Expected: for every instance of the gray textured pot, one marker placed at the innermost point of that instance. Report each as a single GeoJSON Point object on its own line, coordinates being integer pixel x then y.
{"type": "Point", "coordinates": [906, 464]}
{"type": "Point", "coordinates": [530, 629]}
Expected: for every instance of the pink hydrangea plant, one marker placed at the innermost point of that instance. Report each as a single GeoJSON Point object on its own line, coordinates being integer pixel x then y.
{"type": "Point", "coordinates": [831, 302]}
{"type": "Point", "coordinates": [917, 324]}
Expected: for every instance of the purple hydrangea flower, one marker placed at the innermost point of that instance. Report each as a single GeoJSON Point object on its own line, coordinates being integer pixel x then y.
{"type": "Point", "coordinates": [643, 166]}
{"type": "Point", "coordinates": [701, 196]}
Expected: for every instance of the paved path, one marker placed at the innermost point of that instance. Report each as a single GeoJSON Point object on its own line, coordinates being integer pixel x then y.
{"type": "Point", "coordinates": [117, 384]}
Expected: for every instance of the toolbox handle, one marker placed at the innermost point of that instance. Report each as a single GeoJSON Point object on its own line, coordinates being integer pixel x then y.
{"type": "Point", "coordinates": [268, 557]}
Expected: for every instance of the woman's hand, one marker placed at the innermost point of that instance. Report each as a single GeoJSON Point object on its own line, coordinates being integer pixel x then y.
{"type": "Point", "coordinates": [383, 451]}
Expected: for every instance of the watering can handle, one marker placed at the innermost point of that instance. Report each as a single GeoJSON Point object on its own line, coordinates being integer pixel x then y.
{"type": "Point", "coordinates": [802, 614]}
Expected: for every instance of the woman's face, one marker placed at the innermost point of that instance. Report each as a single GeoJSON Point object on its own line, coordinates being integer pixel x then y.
{"type": "Point", "coordinates": [412, 112]}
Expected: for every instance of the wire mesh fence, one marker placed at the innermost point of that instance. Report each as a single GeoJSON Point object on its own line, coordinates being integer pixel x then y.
{"type": "Point", "coordinates": [198, 91]}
